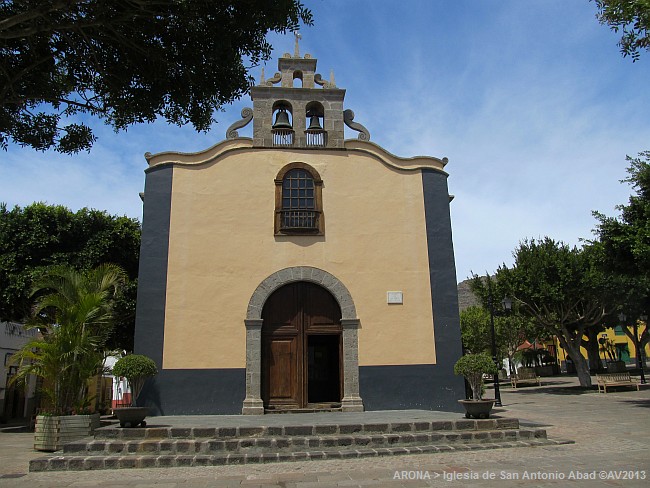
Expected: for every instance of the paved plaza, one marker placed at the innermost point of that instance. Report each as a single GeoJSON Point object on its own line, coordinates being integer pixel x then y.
{"type": "Point", "coordinates": [611, 434]}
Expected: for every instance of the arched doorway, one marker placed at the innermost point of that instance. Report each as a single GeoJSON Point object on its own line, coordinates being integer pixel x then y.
{"type": "Point", "coordinates": [350, 323]}
{"type": "Point", "coordinates": [301, 348]}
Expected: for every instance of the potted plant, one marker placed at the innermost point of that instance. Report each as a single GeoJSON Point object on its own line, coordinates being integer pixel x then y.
{"type": "Point", "coordinates": [73, 314]}
{"type": "Point", "coordinates": [136, 368]}
{"type": "Point", "coordinates": [473, 367]}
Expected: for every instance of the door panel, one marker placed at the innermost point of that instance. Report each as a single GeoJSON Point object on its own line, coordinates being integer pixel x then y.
{"type": "Point", "coordinates": [321, 310]}
{"type": "Point", "coordinates": [282, 371]}
{"type": "Point", "coordinates": [301, 341]}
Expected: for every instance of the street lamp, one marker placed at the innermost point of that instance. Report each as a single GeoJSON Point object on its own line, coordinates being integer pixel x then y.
{"type": "Point", "coordinates": [507, 305]}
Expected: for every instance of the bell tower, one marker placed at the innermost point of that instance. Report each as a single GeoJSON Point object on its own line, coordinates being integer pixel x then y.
{"type": "Point", "coordinates": [297, 107]}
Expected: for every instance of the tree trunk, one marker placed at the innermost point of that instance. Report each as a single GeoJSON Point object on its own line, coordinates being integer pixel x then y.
{"type": "Point", "coordinates": [582, 368]}
{"type": "Point", "coordinates": [639, 343]}
{"type": "Point", "coordinates": [592, 347]}
{"type": "Point", "coordinates": [573, 348]}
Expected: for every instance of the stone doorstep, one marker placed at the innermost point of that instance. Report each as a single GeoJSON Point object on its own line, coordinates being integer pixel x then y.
{"type": "Point", "coordinates": [114, 432]}
{"type": "Point", "coordinates": [80, 463]}
{"type": "Point", "coordinates": [192, 446]}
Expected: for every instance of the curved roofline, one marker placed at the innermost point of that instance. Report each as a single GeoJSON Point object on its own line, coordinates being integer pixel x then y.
{"type": "Point", "coordinates": [398, 162]}
{"type": "Point", "coordinates": [199, 157]}
{"type": "Point", "coordinates": [246, 143]}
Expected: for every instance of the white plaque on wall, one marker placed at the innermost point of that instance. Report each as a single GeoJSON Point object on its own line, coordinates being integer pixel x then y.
{"type": "Point", "coordinates": [395, 297]}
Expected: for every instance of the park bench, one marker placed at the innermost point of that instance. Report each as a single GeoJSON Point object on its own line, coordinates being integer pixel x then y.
{"type": "Point", "coordinates": [615, 379]}
{"type": "Point", "coordinates": [524, 375]}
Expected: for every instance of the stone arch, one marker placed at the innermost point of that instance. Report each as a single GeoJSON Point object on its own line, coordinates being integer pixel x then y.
{"type": "Point", "coordinates": [301, 273]}
{"type": "Point", "coordinates": [351, 401]}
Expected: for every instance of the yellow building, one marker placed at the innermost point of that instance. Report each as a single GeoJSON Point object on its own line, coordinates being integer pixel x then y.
{"type": "Point", "coordinates": [623, 345]}
{"type": "Point", "coordinates": [297, 270]}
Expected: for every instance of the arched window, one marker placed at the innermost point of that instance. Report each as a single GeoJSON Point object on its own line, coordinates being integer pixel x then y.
{"type": "Point", "coordinates": [298, 201]}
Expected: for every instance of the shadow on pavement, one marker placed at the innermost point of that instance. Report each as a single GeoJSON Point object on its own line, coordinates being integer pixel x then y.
{"type": "Point", "coordinates": [554, 390]}
{"type": "Point", "coordinates": [638, 403]}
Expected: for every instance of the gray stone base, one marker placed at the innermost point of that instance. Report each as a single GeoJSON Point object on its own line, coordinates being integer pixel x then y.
{"type": "Point", "coordinates": [252, 407]}
{"type": "Point", "coordinates": [352, 404]}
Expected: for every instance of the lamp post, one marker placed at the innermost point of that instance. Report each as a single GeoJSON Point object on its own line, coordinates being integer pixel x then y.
{"type": "Point", "coordinates": [507, 304]}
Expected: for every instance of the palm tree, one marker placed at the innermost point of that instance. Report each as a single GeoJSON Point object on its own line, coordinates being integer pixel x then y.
{"type": "Point", "coordinates": [74, 313]}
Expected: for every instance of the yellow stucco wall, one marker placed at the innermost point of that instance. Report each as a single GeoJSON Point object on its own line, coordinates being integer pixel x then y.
{"type": "Point", "coordinates": [222, 245]}
{"type": "Point", "coordinates": [617, 339]}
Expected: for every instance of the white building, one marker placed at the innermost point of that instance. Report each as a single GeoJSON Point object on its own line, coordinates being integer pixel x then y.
{"type": "Point", "coordinates": [15, 402]}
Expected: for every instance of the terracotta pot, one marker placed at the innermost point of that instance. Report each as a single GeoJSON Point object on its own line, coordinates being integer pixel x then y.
{"type": "Point", "coordinates": [478, 409]}
{"type": "Point", "coordinates": [131, 416]}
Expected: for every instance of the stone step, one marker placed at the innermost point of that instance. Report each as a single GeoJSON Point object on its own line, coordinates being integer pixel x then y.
{"type": "Point", "coordinates": [293, 443]}
{"type": "Point", "coordinates": [155, 432]}
{"type": "Point", "coordinates": [77, 463]}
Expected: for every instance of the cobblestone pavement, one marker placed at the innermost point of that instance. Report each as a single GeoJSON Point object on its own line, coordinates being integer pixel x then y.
{"type": "Point", "coordinates": [612, 434]}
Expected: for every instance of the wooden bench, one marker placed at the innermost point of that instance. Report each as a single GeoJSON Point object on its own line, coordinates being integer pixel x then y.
{"type": "Point", "coordinates": [524, 375]}
{"type": "Point", "coordinates": [615, 379]}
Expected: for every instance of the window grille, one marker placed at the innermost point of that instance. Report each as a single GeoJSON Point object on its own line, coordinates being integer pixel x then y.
{"type": "Point", "coordinates": [298, 202]}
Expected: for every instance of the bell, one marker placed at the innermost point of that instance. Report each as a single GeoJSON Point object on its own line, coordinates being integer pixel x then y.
{"type": "Point", "coordinates": [282, 120]}
{"type": "Point", "coordinates": [314, 123]}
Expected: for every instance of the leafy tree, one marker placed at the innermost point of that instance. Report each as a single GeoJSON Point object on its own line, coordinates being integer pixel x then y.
{"type": "Point", "coordinates": [630, 16]}
{"type": "Point", "coordinates": [475, 329]}
{"type": "Point", "coordinates": [511, 328]}
{"type": "Point", "coordinates": [74, 314]}
{"type": "Point", "coordinates": [562, 288]}
{"type": "Point", "coordinates": [40, 236]}
{"type": "Point", "coordinates": [127, 62]}
{"type": "Point", "coordinates": [625, 246]}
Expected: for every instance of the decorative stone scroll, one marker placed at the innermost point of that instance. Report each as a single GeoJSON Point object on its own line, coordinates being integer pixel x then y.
{"type": "Point", "coordinates": [348, 117]}
{"type": "Point", "coordinates": [277, 78]}
{"type": "Point", "coordinates": [318, 79]}
{"type": "Point", "coordinates": [247, 116]}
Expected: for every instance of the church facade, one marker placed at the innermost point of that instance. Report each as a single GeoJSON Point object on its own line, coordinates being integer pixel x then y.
{"type": "Point", "coordinates": [296, 270]}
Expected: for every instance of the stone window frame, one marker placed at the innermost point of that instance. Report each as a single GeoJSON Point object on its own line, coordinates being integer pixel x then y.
{"type": "Point", "coordinates": [351, 401]}
{"type": "Point", "coordinates": [318, 201]}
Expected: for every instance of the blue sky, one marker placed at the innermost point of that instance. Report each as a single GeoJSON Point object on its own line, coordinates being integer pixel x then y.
{"type": "Point", "coordinates": [531, 101]}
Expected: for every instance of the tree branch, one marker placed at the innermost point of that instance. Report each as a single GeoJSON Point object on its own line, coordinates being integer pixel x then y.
{"type": "Point", "coordinates": [35, 13]}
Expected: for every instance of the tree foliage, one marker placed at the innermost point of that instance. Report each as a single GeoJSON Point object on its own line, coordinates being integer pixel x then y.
{"type": "Point", "coordinates": [511, 330]}
{"type": "Point", "coordinates": [39, 236]}
{"type": "Point", "coordinates": [127, 62]}
{"type": "Point", "coordinates": [562, 288]}
{"type": "Point", "coordinates": [74, 314]}
{"type": "Point", "coordinates": [625, 245]}
{"type": "Point", "coordinates": [475, 329]}
{"type": "Point", "coordinates": [632, 18]}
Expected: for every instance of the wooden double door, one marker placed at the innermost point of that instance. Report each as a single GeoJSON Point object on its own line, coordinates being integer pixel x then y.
{"type": "Point", "coordinates": [301, 348]}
